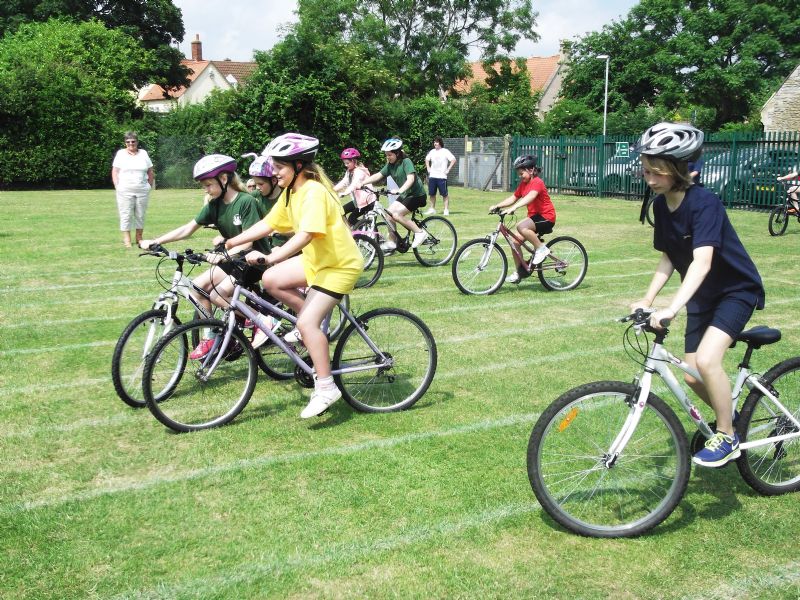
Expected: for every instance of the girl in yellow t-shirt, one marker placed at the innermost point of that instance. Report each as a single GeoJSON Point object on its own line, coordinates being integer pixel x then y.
{"type": "Point", "coordinates": [329, 262]}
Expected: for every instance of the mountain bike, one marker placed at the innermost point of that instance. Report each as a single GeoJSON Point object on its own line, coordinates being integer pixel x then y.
{"type": "Point", "coordinates": [436, 250]}
{"type": "Point", "coordinates": [611, 459]}
{"type": "Point", "coordinates": [143, 332]}
{"type": "Point", "coordinates": [781, 214]}
{"type": "Point", "coordinates": [480, 265]}
{"type": "Point", "coordinates": [384, 361]}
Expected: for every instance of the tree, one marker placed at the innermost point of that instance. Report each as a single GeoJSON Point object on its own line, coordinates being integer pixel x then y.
{"type": "Point", "coordinates": [156, 24]}
{"type": "Point", "coordinates": [422, 43]}
{"type": "Point", "coordinates": [687, 55]}
{"type": "Point", "coordinates": [64, 95]}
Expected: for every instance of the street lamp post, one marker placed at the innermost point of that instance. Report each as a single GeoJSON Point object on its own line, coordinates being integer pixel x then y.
{"type": "Point", "coordinates": [605, 97]}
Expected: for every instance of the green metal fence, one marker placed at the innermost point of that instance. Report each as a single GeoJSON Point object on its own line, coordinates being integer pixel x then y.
{"type": "Point", "coordinates": [741, 168]}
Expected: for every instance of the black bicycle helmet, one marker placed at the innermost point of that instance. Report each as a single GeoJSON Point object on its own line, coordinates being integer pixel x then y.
{"type": "Point", "coordinates": [674, 141]}
{"type": "Point", "coordinates": [527, 161]}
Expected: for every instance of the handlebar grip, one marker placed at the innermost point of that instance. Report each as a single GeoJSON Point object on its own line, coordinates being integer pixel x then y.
{"type": "Point", "coordinates": [665, 322]}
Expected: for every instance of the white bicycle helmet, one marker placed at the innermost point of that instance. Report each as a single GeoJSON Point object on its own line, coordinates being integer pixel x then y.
{"type": "Point", "coordinates": [671, 140]}
{"type": "Point", "coordinates": [392, 145]}
{"type": "Point", "coordinates": [212, 165]}
{"type": "Point", "coordinates": [292, 146]}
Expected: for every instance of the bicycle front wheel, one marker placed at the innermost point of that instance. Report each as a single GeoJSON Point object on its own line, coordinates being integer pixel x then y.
{"type": "Point", "coordinates": [565, 267]}
{"type": "Point", "coordinates": [130, 354]}
{"type": "Point", "coordinates": [200, 398]}
{"type": "Point", "coordinates": [390, 384]}
{"type": "Point", "coordinates": [440, 245]}
{"type": "Point", "coordinates": [778, 220]}
{"type": "Point", "coordinates": [373, 260]}
{"type": "Point", "coordinates": [479, 267]}
{"type": "Point", "coordinates": [577, 482]}
{"type": "Point", "coordinates": [773, 468]}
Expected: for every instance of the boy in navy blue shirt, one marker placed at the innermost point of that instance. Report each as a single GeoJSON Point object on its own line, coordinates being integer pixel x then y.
{"type": "Point", "coordinates": [720, 285]}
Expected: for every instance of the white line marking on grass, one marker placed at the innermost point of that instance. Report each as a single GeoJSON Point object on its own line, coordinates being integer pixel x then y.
{"type": "Point", "coordinates": [349, 552]}
{"type": "Point", "coordinates": [783, 577]}
{"type": "Point", "coordinates": [43, 388]}
{"type": "Point", "coordinates": [70, 286]}
{"type": "Point", "coordinates": [261, 461]}
{"type": "Point", "coordinates": [64, 347]}
{"type": "Point", "coordinates": [61, 322]}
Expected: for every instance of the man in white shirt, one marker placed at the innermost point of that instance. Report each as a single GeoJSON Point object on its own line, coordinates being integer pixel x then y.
{"type": "Point", "coordinates": [439, 161]}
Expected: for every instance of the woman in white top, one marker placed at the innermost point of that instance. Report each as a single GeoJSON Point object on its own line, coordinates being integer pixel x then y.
{"type": "Point", "coordinates": [133, 177]}
{"type": "Point", "coordinates": [439, 161]}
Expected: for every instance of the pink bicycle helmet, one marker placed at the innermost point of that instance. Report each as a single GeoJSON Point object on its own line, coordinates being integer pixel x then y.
{"type": "Point", "coordinates": [212, 165]}
{"type": "Point", "coordinates": [292, 146]}
{"type": "Point", "coordinates": [350, 153]}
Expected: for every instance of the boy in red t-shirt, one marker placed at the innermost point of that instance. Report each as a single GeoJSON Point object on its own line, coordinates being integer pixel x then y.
{"type": "Point", "coordinates": [541, 212]}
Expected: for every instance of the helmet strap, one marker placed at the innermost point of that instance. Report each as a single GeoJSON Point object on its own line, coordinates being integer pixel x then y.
{"type": "Point", "coordinates": [223, 186]}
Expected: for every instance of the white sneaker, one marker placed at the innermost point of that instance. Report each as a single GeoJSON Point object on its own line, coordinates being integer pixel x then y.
{"type": "Point", "coordinates": [388, 246]}
{"type": "Point", "coordinates": [419, 237]}
{"type": "Point", "coordinates": [446, 212]}
{"type": "Point", "coordinates": [293, 336]}
{"type": "Point", "coordinates": [260, 337]}
{"type": "Point", "coordinates": [430, 211]}
{"type": "Point", "coordinates": [540, 254]}
{"type": "Point", "coordinates": [320, 401]}
{"type": "Point", "coordinates": [513, 278]}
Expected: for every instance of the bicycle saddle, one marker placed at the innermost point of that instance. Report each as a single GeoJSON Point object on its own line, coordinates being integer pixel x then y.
{"type": "Point", "coordinates": [758, 336]}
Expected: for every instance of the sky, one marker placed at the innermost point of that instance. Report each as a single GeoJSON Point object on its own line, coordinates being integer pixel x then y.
{"type": "Point", "coordinates": [247, 25]}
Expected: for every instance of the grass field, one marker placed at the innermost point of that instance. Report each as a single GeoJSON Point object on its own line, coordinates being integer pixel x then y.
{"type": "Point", "coordinates": [98, 500]}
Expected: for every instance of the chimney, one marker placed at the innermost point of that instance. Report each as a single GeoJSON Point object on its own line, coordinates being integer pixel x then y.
{"type": "Point", "coordinates": [197, 48]}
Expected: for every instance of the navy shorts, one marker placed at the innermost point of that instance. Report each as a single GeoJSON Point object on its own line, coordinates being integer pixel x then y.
{"type": "Point", "coordinates": [434, 183]}
{"type": "Point", "coordinates": [730, 315]}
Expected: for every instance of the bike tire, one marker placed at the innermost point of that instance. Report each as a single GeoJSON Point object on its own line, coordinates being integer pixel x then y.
{"type": "Point", "coordinates": [373, 260]}
{"type": "Point", "coordinates": [573, 485]}
{"type": "Point", "coordinates": [440, 246]}
{"type": "Point", "coordinates": [479, 268]}
{"type": "Point", "coordinates": [650, 215]}
{"type": "Point", "coordinates": [137, 340]}
{"type": "Point", "coordinates": [192, 403]}
{"type": "Point", "coordinates": [409, 343]}
{"type": "Point", "coordinates": [566, 265]}
{"type": "Point", "coordinates": [774, 468]}
{"type": "Point", "coordinates": [778, 220]}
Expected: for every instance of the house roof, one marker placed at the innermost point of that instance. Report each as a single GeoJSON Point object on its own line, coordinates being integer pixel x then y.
{"type": "Point", "coordinates": [240, 70]}
{"type": "Point", "coordinates": [541, 70]}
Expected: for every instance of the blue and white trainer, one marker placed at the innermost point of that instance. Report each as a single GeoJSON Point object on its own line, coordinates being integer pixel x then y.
{"type": "Point", "coordinates": [720, 449]}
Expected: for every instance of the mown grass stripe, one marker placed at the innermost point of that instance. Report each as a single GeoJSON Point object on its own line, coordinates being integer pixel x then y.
{"type": "Point", "coordinates": [262, 461]}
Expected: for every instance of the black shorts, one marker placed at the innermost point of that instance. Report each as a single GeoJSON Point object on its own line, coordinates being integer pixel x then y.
{"type": "Point", "coordinates": [542, 225]}
{"type": "Point", "coordinates": [413, 203]}
{"type": "Point", "coordinates": [252, 274]}
{"type": "Point", "coordinates": [353, 213]}
{"type": "Point", "coordinates": [730, 315]}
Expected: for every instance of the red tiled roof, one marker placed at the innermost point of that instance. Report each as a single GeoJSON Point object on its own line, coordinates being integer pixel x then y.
{"type": "Point", "coordinates": [540, 70]}
{"type": "Point", "coordinates": [156, 92]}
{"type": "Point", "coordinates": [240, 70]}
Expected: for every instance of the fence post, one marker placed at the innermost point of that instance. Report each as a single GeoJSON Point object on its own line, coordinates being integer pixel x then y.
{"type": "Point", "coordinates": [466, 161]}
{"type": "Point", "coordinates": [506, 162]}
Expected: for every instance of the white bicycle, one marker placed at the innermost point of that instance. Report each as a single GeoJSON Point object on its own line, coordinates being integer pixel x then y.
{"type": "Point", "coordinates": [611, 459]}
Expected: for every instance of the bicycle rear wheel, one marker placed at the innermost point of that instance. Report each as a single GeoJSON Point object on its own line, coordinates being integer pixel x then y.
{"type": "Point", "coordinates": [373, 260]}
{"type": "Point", "coordinates": [412, 354]}
{"type": "Point", "coordinates": [130, 354]}
{"type": "Point", "coordinates": [565, 267]}
{"type": "Point", "coordinates": [778, 220]}
{"type": "Point", "coordinates": [199, 400]}
{"type": "Point", "coordinates": [773, 468]}
{"type": "Point", "coordinates": [440, 246]}
{"type": "Point", "coordinates": [567, 462]}
{"type": "Point", "coordinates": [479, 267]}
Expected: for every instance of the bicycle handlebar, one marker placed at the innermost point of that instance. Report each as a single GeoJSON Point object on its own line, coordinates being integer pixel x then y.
{"type": "Point", "coordinates": [641, 318]}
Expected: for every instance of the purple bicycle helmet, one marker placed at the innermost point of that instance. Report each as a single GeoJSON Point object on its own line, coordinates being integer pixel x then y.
{"type": "Point", "coordinates": [350, 153]}
{"type": "Point", "coordinates": [292, 146]}
{"type": "Point", "coordinates": [212, 165]}
{"type": "Point", "coordinates": [262, 167]}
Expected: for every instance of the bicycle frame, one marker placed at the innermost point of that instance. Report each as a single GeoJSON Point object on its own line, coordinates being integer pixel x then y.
{"type": "Point", "coordinates": [181, 286]}
{"type": "Point", "coordinates": [509, 234]}
{"type": "Point", "coordinates": [658, 362]}
{"type": "Point", "coordinates": [214, 357]}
